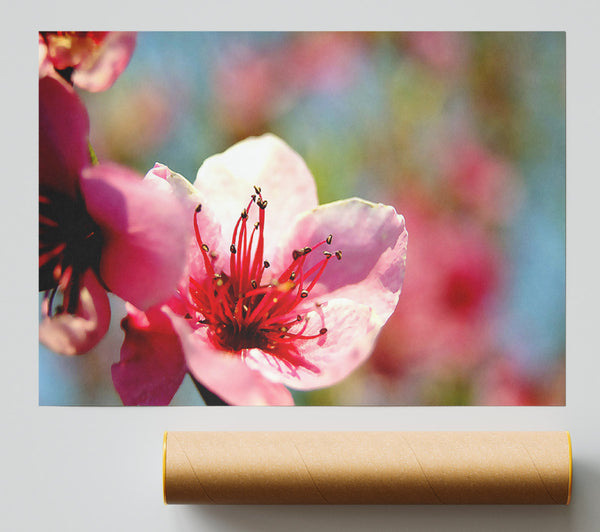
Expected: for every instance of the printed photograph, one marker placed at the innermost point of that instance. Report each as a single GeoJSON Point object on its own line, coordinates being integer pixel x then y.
{"type": "Point", "coordinates": [302, 218]}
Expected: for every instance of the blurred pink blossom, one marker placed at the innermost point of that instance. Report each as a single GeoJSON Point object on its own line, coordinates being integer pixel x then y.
{"type": "Point", "coordinates": [481, 181]}
{"type": "Point", "coordinates": [247, 90]}
{"type": "Point", "coordinates": [271, 306]}
{"type": "Point", "coordinates": [508, 378]}
{"type": "Point", "coordinates": [101, 229]}
{"type": "Point", "coordinates": [503, 382]}
{"type": "Point", "coordinates": [322, 61]}
{"type": "Point", "coordinates": [444, 315]}
{"type": "Point", "coordinates": [90, 60]}
{"type": "Point", "coordinates": [253, 86]}
{"type": "Point", "coordinates": [444, 51]}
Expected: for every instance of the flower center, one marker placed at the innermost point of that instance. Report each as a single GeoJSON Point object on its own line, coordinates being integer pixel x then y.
{"type": "Point", "coordinates": [70, 243]}
{"type": "Point", "coordinates": [68, 49]}
{"type": "Point", "coordinates": [77, 42]}
{"type": "Point", "coordinates": [466, 290]}
{"type": "Point", "coordinates": [240, 310]}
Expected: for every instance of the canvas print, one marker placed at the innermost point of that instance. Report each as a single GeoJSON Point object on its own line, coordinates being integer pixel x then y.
{"type": "Point", "coordinates": [302, 218]}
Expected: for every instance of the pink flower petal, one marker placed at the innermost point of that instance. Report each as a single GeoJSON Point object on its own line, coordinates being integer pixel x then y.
{"type": "Point", "coordinates": [373, 241]}
{"type": "Point", "coordinates": [351, 333]}
{"type": "Point", "coordinates": [225, 374]}
{"type": "Point", "coordinates": [180, 186]}
{"type": "Point", "coordinates": [64, 127]}
{"type": "Point", "coordinates": [152, 366]}
{"type": "Point", "coordinates": [46, 68]}
{"type": "Point", "coordinates": [74, 334]}
{"type": "Point", "coordinates": [162, 171]}
{"type": "Point", "coordinates": [145, 230]}
{"type": "Point", "coordinates": [99, 70]}
{"type": "Point", "coordinates": [227, 179]}
{"type": "Point", "coordinates": [209, 229]}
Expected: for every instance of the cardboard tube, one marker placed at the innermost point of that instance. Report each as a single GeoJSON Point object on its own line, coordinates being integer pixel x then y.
{"type": "Point", "coordinates": [367, 467]}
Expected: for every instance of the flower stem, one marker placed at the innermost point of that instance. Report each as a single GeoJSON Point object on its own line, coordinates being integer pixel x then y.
{"type": "Point", "coordinates": [93, 158]}
{"type": "Point", "coordinates": [210, 398]}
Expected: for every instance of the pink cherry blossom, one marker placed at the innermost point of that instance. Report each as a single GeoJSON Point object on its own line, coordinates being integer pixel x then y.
{"type": "Point", "coordinates": [275, 78]}
{"type": "Point", "coordinates": [444, 51]}
{"type": "Point", "coordinates": [101, 229]}
{"type": "Point", "coordinates": [244, 112]}
{"type": "Point", "coordinates": [445, 315]}
{"type": "Point", "coordinates": [323, 61]}
{"type": "Point", "coordinates": [279, 292]}
{"type": "Point", "coordinates": [91, 60]}
{"type": "Point", "coordinates": [152, 366]}
{"type": "Point", "coordinates": [503, 382]}
{"type": "Point", "coordinates": [481, 181]}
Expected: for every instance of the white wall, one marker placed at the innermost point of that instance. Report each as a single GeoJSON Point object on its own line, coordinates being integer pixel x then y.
{"type": "Point", "coordinates": [96, 469]}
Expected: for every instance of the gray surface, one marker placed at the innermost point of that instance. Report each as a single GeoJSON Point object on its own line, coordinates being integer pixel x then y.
{"type": "Point", "coordinates": [97, 469]}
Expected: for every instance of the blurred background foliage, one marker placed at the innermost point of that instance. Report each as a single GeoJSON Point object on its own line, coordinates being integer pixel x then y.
{"type": "Point", "coordinates": [464, 133]}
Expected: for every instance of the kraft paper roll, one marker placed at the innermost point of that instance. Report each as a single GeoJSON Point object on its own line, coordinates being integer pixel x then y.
{"type": "Point", "coordinates": [367, 467]}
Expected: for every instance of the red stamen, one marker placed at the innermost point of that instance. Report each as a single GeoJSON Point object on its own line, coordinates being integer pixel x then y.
{"type": "Point", "coordinates": [207, 263]}
{"type": "Point", "coordinates": [242, 313]}
{"type": "Point", "coordinates": [321, 268]}
{"type": "Point", "coordinates": [49, 255]}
